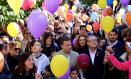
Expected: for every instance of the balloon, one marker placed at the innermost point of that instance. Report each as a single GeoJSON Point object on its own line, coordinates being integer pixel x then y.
{"type": "Point", "coordinates": [124, 19]}
{"type": "Point", "coordinates": [1, 62]}
{"type": "Point", "coordinates": [129, 7]}
{"type": "Point", "coordinates": [102, 4]}
{"type": "Point", "coordinates": [15, 5]}
{"type": "Point", "coordinates": [43, 6]}
{"type": "Point", "coordinates": [96, 26]}
{"type": "Point", "coordinates": [128, 18]}
{"type": "Point", "coordinates": [26, 4]}
{"type": "Point", "coordinates": [109, 2]}
{"type": "Point", "coordinates": [94, 16]}
{"type": "Point", "coordinates": [76, 2]}
{"type": "Point", "coordinates": [115, 3]}
{"type": "Point", "coordinates": [52, 6]}
{"type": "Point", "coordinates": [84, 17]}
{"type": "Point", "coordinates": [74, 42]}
{"type": "Point", "coordinates": [32, 4]}
{"type": "Point", "coordinates": [60, 1]}
{"type": "Point", "coordinates": [107, 12]}
{"type": "Point", "coordinates": [37, 23]}
{"type": "Point", "coordinates": [83, 61]}
{"type": "Point", "coordinates": [118, 18]}
{"type": "Point", "coordinates": [89, 28]}
{"type": "Point", "coordinates": [66, 76]}
{"type": "Point", "coordinates": [124, 2]}
{"type": "Point", "coordinates": [107, 23]}
{"type": "Point", "coordinates": [69, 16]}
{"type": "Point", "coordinates": [66, 6]}
{"type": "Point", "coordinates": [13, 29]}
{"type": "Point", "coordinates": [74, 8]}
{"type": "Point", "coordinates": [59, 65]}
{"type": "Point", "coordinates": [94, 7]}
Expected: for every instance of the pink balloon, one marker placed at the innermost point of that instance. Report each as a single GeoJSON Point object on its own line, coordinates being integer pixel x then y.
{"type": "Point", "coordinates": [26, 4]}
{"type": "Point", "coordinates": [32, 4]}
{"type": "Point", "coordinates": [43, 6]}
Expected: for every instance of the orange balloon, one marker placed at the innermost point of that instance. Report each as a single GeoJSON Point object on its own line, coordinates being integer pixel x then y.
{"type": "Point", "coordinates": [128, 19]}
{"type": "Point", "coordinates": [69, 17]}
{"type": "Point", "coordinates": [107, 12]}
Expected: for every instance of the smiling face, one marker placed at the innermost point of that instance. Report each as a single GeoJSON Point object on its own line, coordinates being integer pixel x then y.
{"type": "Point", "coordinates": [29, 62]}
{"type": "Point", "coordinates": [92, 41]}
{"type": "Point", "coordinates": [36, 47]}
{"type": "Point", "coordinates": [67, 46]}
{"type": "Point", "coordinates": [112, 36]}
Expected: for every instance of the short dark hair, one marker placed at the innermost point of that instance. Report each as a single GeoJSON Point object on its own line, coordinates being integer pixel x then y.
{"type": "Point", "coordinates": [115, 31]}
{"type": "Point", "coordinates": [82, 26]}
{"type": "Point", "coordinates": [126, 31]}
{"type": "Point", "coordinates": [65, 37]}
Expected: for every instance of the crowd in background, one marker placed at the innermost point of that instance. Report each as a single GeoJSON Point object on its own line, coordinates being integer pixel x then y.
{"type": "Point", "coordinates": [27, 58]}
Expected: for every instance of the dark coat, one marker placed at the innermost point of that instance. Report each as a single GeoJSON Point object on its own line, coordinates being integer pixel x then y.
{"type": "Point", "coordinates": [96, 70]}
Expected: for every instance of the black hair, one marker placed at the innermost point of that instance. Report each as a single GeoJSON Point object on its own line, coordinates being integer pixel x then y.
{"type": "Point", "coordinates": [47, 68]}
{"type": "Point", "coordinates": [82, 26]}
{"type": "Point", "coordinates": [66, 37]}
{"type": "Point", "coordinates": [74, 69]}
{"type": "Point", "coordinates": [114, 30]}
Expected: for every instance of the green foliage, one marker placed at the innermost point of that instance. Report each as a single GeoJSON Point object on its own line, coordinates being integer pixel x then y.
{"type": "Point", "coordinates": [7, 15]}
{"type": "Point", "coordinates": [88, 2]}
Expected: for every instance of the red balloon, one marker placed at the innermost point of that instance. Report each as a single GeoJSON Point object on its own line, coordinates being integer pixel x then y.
{"type": "Point", "coordinates": [96, 27]}
{"type": "Point", "coordinates": [69, 16]}
{"type": "Point", "coordinates": [128, 19]}
{"type": "Point", "coordinates": [107, 12]}
{"type": "Point", "coordinates": [83, 61]}
{"type": "Point", "coordinates": [26, 4]}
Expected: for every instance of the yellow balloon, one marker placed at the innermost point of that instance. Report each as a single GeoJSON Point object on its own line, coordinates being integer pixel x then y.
{"type": "Point", "coordinates": [74, 8]}
{"type": "Point", "coordinates": [15, 5]}
{"type": "Point", "coordinates": [115, 3]}
{"type": "Point", "coordinates": [107, 23]}
{"type": "Point", "coordinates": [118, 18]}
{"type": "Point", "coordinates": [59, 65]}
{"type": "Point", "coordinates": [13, 29]}
{"type": "Point", "coordinates": [102, 4]}
{"type": "Point", "coordinates": [89, 28]}
{"type": "Point", "coordinates": [66, 6]}
{"type": "Point", "coordinates": [1, 61]}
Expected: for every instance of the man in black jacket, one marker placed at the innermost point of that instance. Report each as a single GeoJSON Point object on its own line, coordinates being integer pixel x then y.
{"type": "Point", "coordinates": [95, 69]}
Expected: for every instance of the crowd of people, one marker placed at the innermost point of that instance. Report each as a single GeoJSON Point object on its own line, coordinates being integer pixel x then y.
{"type": "Point", "coordinates": [28, 58]}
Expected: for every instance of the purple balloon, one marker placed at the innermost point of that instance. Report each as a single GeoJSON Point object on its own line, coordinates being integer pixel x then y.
{"type": "Point", "coordinates": [124, 2]}
{"type": "Point", "coordinates": [74, 42]}
{"type": "Point", "coordinates": [37, 23]}
{"type": "Point", "coordinates": [66, 76]}
{"type": "Point", "coordinates": [52, 5]}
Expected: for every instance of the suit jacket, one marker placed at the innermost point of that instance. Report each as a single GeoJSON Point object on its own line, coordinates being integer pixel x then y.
{"type": "Point", "coordinates": [73, 57]}
{"type": "Point", "coordinates": [96, 70]}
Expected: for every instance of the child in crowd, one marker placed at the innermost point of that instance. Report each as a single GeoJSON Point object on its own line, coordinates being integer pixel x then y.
{"type": "Point", "coordinates": [74, 74]}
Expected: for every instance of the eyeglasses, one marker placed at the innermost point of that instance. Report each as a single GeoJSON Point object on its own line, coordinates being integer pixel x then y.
{"type": "Point", "coordinates": [28, 33]}
{"type": "Point", "coordinates": [17, 49]}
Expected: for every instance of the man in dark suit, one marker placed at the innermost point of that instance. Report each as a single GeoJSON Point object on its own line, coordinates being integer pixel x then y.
{"type": "Point", "coordinates": [117, 47]}
{"type": "Point", "coordinates": [95, 69]}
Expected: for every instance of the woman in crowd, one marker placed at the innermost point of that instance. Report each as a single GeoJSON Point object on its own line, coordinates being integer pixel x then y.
{"type": "Point", "coordinates": [49, 46]}
{"type": "Point", "coordinates": [81, 45]}
{"type": "Point", "coordinates": [25, 68]}
{"type": "Point", "coordinates": [125, 66]}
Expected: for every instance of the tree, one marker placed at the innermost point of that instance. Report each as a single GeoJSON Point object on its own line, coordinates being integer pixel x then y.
{"type": "Point", "coordinates": [88, 2]}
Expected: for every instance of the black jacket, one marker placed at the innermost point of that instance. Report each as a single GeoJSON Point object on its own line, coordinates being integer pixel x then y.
{"type": "Point", "coordinates": [96, 70]}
